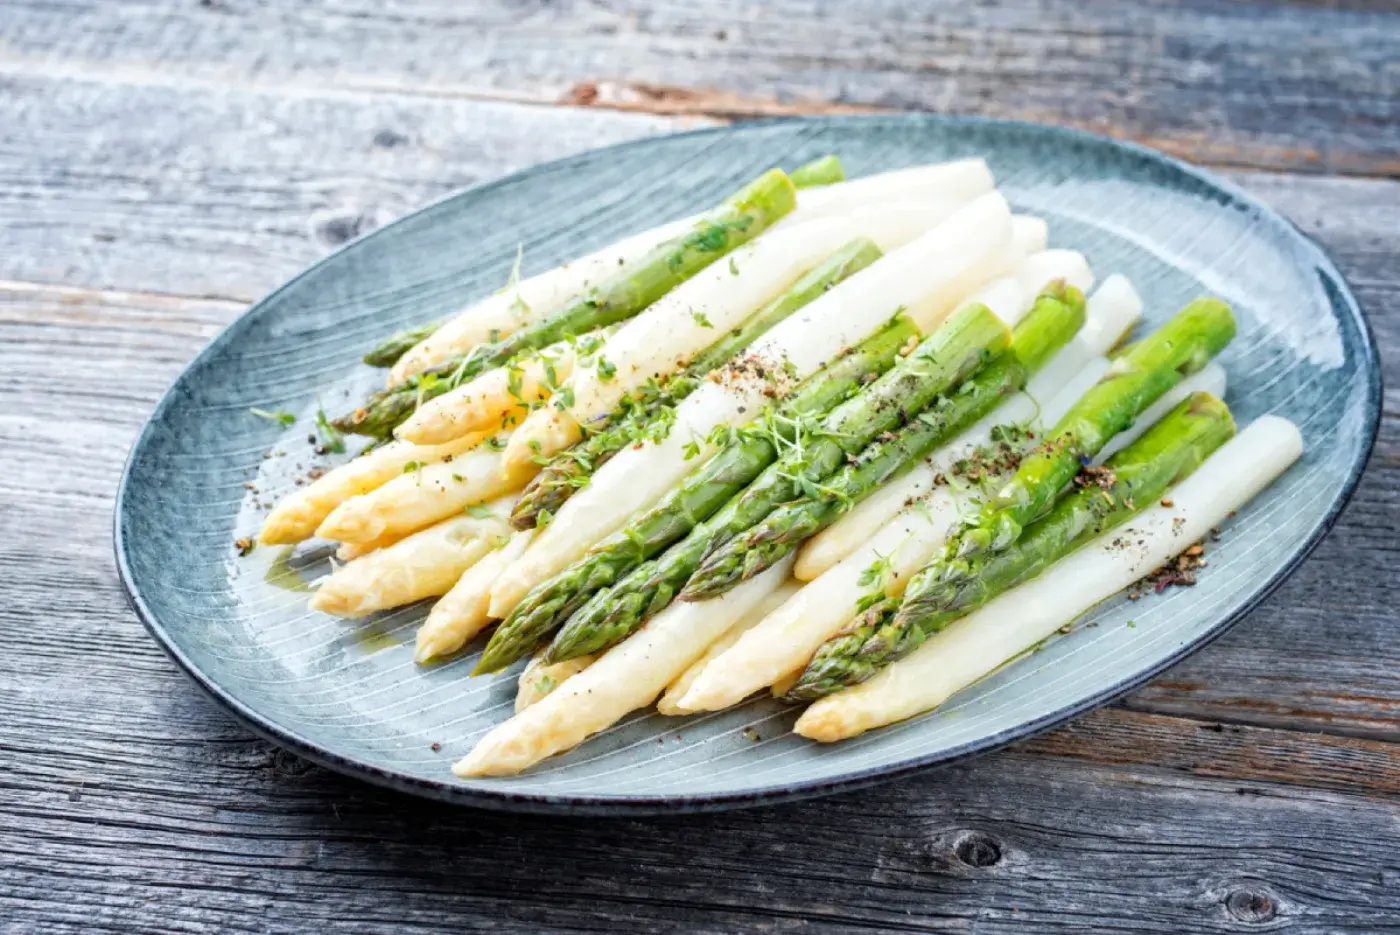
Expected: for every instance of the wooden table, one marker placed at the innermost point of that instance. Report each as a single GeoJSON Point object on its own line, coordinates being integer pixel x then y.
{"type": "Point", "coordinates": [165, 162]}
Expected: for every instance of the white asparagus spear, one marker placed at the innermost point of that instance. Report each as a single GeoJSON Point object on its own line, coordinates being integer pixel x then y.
{"type": "Point", "coordinates": [423, 495]}
{"type": "Point", "coordinates": [538, 296]}
{"type": "Point", "coordinates": [296, 516]}
{"type": "Point", "coordinates": [539, 680]}
{"type": "Point", "coordinates": [627, 677]}
{"type": "Point", "coordinates": [783, 644]}
{"type": "Point", "coordinates": [526, 301]}
{"type": "Point", "coordinates": [462, 612]}
{"type": "Point", "coordinates": [425, 564]}
{"type": "Point", "coordinates": [907, 186]}
{"type": "Point", "coordinates": [667, 703]}
{"type": "Point", "coordinates": [349, 551]}
{"type": "Point", "coordinates": [1029, 234]}
{"type": "Point", "coordinates": [1112, 311]}
{"type": "Point", "coordinates": [691, 317]}
{"type": "Point", "coordinates": [496, 398]}
{"type": "Point", "coordinates": [981, 642]}
{"type": "Point", "coordinates": [926, 277]}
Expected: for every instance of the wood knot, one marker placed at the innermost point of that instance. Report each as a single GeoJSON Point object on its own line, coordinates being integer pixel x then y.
{"type": "Point", "coordinates": [388, 139]}
{"type": "Point", "coordinates": [977, 849]}
{"type": "Point", "coordinates": [1251, 904]}
{"type": "Point", "coordinates": [336, 229]}
{"type": "Point", "coordinates": [285, 763]}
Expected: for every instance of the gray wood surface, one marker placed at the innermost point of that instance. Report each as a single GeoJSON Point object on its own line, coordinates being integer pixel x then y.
{"type": "Point", "coordinates": [162, 163]}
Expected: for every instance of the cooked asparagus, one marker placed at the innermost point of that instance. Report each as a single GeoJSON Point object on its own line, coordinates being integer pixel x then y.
{"type": "Point", "coordinates": [1110, 313]}
{"type": "Point", "coordinates": [699, 495]}
{"type": "Point", "coordinates": [941, 361]}
{"type": "Point", "coordinates": [1106, 497]}
{"type": "Point", "coordinates": [1056, 317]}
{"type": "Point", "coordinates": [928, 277]}
{"type": "Point", "coordinates": [425, 564]}
{"type": "Point", "coordinates": [1020, 618]}
{"type": "Point", "coordinates": [739, 219]}
{"type": "Point", "coordinates": [388, 351]}
{"type": "Point", "coordinates": [643, 416]}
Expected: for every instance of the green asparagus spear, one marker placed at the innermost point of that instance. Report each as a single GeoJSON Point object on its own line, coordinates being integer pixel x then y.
{"type": "Point", "coordinates": [739, 219]}
{"type": "Point", "coordinates": [824, 170]}
{"type": "Point", "coordinates": [643, 417]}
{"type": "Point", "coordinates": [739, 460]}
{"type": "Point", "coordinates": [1057, 315]}
{"type": "Point", "coordinates": [388, 352]}
{"type": "Point", "coordinates": [940, 361]}
{"type": "Point", "coordinates": [1102, 498]}
{"type": "Point", "coordinates": [1135, 381]}
{"type": "Point", "coordinates": [945, 359]}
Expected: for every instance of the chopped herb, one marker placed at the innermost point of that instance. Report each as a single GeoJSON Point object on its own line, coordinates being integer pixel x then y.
{"type": "Point", "coordinates": [564, 399]}
{"type": "Point", "coordinates": [412, 466]}
{"type": "Point", "coordinates": [496, 443]}
{"type": "Point", "coordinates": [701, 320]}
{"type": "Point", "coordinates": [543, 518]}
{"type": "Point", "coordinates": [330, 437]}
{"type": "Point", "coordinates": [606, 370]}
{"type": "Point", "coordinates": [282, 417]}
{"type": "Point", "coordinates": [691, 449]}
{"type": "Point", "coordinates": [733, 267]}
{"type": "Point", "coordinates": [479, 511]}
{"type": "Point", "coordinates": [545, 685]}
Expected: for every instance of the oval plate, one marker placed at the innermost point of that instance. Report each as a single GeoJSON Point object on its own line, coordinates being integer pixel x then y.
{"type": "Point", "coordinates": [349, 696]}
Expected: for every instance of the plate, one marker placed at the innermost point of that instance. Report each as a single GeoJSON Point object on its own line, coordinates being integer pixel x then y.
{"type": "Point", "coordinates": [348, 696]}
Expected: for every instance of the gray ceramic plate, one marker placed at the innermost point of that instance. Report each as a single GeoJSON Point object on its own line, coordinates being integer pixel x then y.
{"type": "Point", "coordinates": [349, 696]}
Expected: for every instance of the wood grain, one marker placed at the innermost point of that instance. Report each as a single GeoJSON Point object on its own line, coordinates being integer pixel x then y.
{"type": "Point", "coordinates": [1302, 86]}
{"type": "Point", "coordinates": [224, 191]}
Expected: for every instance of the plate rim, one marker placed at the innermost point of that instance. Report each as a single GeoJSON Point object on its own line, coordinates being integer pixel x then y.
{"type": "Point", "coordinates": [479, 793]}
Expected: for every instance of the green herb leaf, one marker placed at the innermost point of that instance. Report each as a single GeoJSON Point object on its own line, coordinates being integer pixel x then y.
{"type": "Point", "coordinates": [700, 319]}
{"type": "Point", "coordinates": [479, 511]}
{"type": "Point", "coordinates": [330, 436]}
{"type": "Point", "coordinates": [606, 370]}
{"type": "Point", "coordinates": [282, 417]}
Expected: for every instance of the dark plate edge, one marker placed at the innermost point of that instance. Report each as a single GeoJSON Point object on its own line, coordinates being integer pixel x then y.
{"type": "Point", "coordinates": [484, 797]}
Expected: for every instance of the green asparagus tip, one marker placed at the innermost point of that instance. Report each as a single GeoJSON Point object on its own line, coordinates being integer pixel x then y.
{"type": "Point", "coordinates": [825, 170]}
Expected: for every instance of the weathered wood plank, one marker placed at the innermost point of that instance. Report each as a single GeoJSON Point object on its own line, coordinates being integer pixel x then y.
{"type": "Point", "coordinates": [195, 189]}
{"type": "Point", "coordinates": [1115, 736]}
{"type": "Point", "coordinates": [1220, 82]}
{"type": "Point", "coordinates": [159, 815]}
{"type": "Point", "coordinates": [186, 205]}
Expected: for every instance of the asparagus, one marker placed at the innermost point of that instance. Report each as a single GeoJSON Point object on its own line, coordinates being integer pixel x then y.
{"type": "Point", "coordinates": [739, 219]}
{"type": "Point", "coordinates": [641, 417]}
{"type": "Point", "coordinates": [1137, 379]}
{"type": "Point", "coordinates": [388, 351]}
{"type": "Point", "coordinates": [824, 170]}
{"type": "Point", "coordinates": [940, 361]}
{"type": "Point", "coordinates": [1104, 498]}
{"type": "Point", "coordinates": [748, 451]}
{"type": "Point", "coordinates": [1057, 315]}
